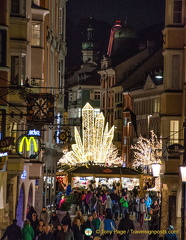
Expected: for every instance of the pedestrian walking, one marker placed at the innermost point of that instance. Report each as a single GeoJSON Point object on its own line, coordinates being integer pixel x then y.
{"type": "Point", "coordinates": [77, 230]}
{"type": "Point", "coordinates": [12, 232]}
{"type": "Point", "coordinates": [27, 231]}
{"type": "Point", "coordinates": [47, 234]}
{"type": "Point", "coordinates": [124, 205]}
{"type": "Point", "coordinates": [65, 233]}
{"type": "Point", "coordinates": [67, 219]}
{"type": "Point", "coordinates": [142, 211]}
{"type": "Point", "coordinates": [89, 231]}
{"type": "Point", "coordinates": [44, 215]}
{"type": "Point", "coordinates": [107, 228]}
{"type": "Point", "coordinates": [124, 228]}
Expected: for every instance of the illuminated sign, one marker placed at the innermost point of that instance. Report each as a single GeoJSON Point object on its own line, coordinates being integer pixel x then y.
{"type": "Point", "coordinates": [28, 146]}
{"type": "Point", "coordinates": [23, 175]}
{"type": "Point", "coordinates": [34, 132]}
{"type": "Point", "coordinates": [3, 154]}
{"type": "Point", "coordinates": [28, 141]}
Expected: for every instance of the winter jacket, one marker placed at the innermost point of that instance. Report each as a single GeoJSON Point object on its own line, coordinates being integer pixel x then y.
{"type": "Point", "coordinates": [108, 203]}
{"type": "Point", "coordinates": [142, 207]}
{"type": "Point", "coordinates": [96, 222]}
{"type": "Point", "coordinates": [170, 236]}
{"type": "Point", "coordinates": [49, 236]}
{"type": "Point", "coordinates": [89, 224]}
{"type": "Point", "coordinates": [54, 220]}
{"type": "Point", "coordinates": [124, 202]}
{"type": "Point", "coordinates": [148, 202]}
{"type": "Point", "coordinates": [13, 232]}
{"type": "Point", "coordinates": [107, 225]}
{"type": "Point", "coordinates": [78, 232]}
{"type": "Point", "coordinates": [125, 224]}
{"type": "Point", "coordinates": [44, 217]}
{"type": "Point", "coordinates": [28, 232]}
{"type": "Point", "coordinates": [116, 208]}
{"type": "Point", "coordinates": [65, 235]}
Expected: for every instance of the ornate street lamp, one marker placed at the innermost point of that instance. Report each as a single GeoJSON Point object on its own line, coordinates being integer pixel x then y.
{"type": "Point", "coordinates": [156, 167]}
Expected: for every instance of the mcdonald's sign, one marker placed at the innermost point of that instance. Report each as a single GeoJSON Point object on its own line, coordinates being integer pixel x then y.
{"type": "Point", "coordinates": [28, 146]}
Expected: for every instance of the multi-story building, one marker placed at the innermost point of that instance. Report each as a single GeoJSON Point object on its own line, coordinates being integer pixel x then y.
{"type": "Point", "coordinates": [160, 105]}
{"type": "Point", "coordinates": [84, 85]}
{"type": "Point", "coordinates": [32, 51]}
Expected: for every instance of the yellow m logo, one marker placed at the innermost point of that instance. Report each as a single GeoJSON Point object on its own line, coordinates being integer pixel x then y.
{"type": "Point", "coordinates": [28, 141]}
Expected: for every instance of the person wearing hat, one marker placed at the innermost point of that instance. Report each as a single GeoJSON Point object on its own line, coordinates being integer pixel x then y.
{"type": "Point", "coordinates": [170, 235]}
{"type": "Point", "coordinates": [65, 233]}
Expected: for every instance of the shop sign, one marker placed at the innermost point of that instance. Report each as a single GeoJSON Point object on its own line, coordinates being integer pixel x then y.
{"type": "Point", "coordinates": [23, 175]}
{"type": "Point", "coordinates": [6, 142]}
{"type": "Point", "coordinates": [107, 170]}
{"type": "Point", "coordinates": [5, 153]}
{"type": "Point", "coordinates": [175, 149]}
{"type": "Point", "coordinates": [34, 132]}
{"type": "Point", "coordinates": [28, 146]}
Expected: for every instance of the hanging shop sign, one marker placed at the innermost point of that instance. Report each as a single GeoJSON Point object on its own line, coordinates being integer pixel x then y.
{"type": "Point", "coordinates": [5, 153]}
{"type": "Point", "coordinates": [175, 149]}
{"type": "Point", "coordinates": [28, 146]}
{"type": "Point", "coordinates": [62, 136]}
{"type": "Point", "coordinates": [34, 132]}
{"type": "Point", "coordinates": [6, 142]}
{"type": "Point", "coordinates": [40, 108]}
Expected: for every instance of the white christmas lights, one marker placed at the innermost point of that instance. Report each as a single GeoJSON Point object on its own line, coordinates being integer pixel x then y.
{"type": "Point", "coordinates": [147, 151]}
{"type": "Point", "coordinates": [96, 144]}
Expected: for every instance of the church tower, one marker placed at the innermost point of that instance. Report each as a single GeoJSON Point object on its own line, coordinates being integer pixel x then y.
{"type": "Point", "coordinates": [89, 46]}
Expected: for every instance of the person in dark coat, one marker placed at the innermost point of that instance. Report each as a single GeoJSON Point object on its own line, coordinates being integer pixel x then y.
{"type": "Point", "coordinates": [12, 232]}
{"type": "Point", "coordinates": [34, 222]}
{"type": "Point", "coordinates": [47, 234]}
{"type": "Point", "coordinates": [67, 219]}
{"type": "Point", "coordinates": [89, 224]}
{"type": "Point", "coordinates": [30, 212]}
{"type": "Point", "coordinates": [65, 233]}
{"type": "Point", "coordinates": [127, 225]}
{"type": "Point", "coordinates": [54, 220]}
{"type": "Point", "coordinates": [77, 230]}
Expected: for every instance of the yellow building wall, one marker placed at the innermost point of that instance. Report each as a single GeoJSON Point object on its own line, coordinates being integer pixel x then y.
{"type": "Point", "coordinates": [171, 104]}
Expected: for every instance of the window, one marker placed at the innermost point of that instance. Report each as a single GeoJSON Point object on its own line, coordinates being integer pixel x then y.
{"type": "Point", "coordinates": [70, 96]}
{"type": "Point", "coordinates": [61, 21]}
{"type": "Point", "coordinates": [60, 74]}
{"type": "Point", "coordinates": [176, 70]}
{"type": "Point", "coordinates": [174, 128]}
{"type": "Point", "coordinates": [2, 48]}
{"type": "Point", "coordinates": [177, 17]}
{"type": "Point", "coordinates": [97, 95]}
{"type": "Point", "coordinates": [18, 7]}
{"type": "Point", "coordinates": [79, 94]}
{"type": "Point", "coordinates": [36, 34]}
{"type": "Point", "coordinates": [18, 70]}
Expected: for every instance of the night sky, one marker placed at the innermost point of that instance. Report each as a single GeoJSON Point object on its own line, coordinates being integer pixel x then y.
{"type": "Point", "coordinates": [140, 14]}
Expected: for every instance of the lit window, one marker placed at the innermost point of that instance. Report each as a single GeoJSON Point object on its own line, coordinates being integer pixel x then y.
{"type": "Point", "coordinates": [174, 128]}
{"type": "Point", "coordinates": [18, 70]}
{"type": "Point", "coordinates": [36, 34]}
{"type": "Point", "coordinates": [177, 18]}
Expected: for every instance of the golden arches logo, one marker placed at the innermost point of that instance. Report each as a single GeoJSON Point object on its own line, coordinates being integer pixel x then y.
{"type": "Point", "coordinates": [28, 144]}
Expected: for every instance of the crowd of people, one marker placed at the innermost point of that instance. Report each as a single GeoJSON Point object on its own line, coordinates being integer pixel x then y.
{"type": "Point", "coordinates": [98, 215]}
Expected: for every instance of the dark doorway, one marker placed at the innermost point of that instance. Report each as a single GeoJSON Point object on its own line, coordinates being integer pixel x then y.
{"type": "Point", "coordinates": [172, 210]}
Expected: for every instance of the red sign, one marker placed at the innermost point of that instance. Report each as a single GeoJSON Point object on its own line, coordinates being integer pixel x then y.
{"type": "Point", "coordinates": [6, 142]}
{"type": "Point", "coordinates": [107, 170]}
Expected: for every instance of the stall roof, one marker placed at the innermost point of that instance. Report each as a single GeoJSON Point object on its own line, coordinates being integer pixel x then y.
{"type": "Point", "coordinates": [101, 170]}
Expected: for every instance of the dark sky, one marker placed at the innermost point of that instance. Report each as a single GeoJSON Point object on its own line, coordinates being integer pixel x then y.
{"type": "Point", "coordinates": [140, 13]}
